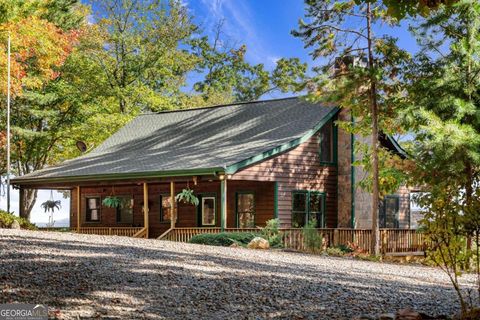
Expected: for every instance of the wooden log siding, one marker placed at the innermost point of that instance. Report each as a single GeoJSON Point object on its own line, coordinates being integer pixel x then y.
{"type": "Point", "coordinates": [187, 215]}
{"type": "Point", "coordinates": [297, 169]}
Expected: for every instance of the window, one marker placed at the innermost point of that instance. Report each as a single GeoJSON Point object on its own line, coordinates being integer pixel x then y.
{"type": "Point", "coordinates": [315, 209]}
{"type": "Point", "coordinates": [125, 211]}
{"type": "Point", "coordinates": [389, 212]}
{"type": "Point", "coordinates": [327, 143]}
{"type": "Point", "coordinates": [208, 211]}
{"type": "Point", "coordinates": [245, 210]}
{"type": "Point", "coordinates": [92, 209]}
{"type": "Point", "coordinates": [299, 209]}
{"type": "Point", "coordinates": [307, 205]}
{"type": "Point", "coordinates": [165, 208]}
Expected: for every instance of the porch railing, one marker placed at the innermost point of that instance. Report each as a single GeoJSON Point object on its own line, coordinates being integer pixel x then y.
{"type": "Point", "coordinates": [185, 234]}
{"type": "Point", "coordinates": [110, 231]}
{"type": "Point", "coordinates": [399, 240]}
{"type": "Point", "coordinates": [392, 240]}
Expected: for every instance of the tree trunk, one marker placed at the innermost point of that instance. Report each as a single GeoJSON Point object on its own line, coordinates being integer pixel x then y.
{"type": "Point", "coordinates": [374, 112]}
{"type": "Point", "coordinates": [28, 197]}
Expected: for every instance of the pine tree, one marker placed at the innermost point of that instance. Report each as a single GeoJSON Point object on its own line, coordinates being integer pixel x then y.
{"type": "Point", "coordinates": [444, 113]}
{"type": "Point", "coordinates": [365, 80]}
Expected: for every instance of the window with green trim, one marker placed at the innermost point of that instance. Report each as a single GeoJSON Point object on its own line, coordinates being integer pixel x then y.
{"type": "Point", "coordinates": [327, 143]}
{"type": "Point", "coordinates": [308, 205]}
{"type": "Point", "coordinates": [245, 205]}
{"type": "Point", "coordinates": [315, 209]}
{"type": "Point", "coordinates": [299, 209]}
{"type": "Point", "coordinates": [125, 211]}
{"type": "Point", "coordinates": [165, 207]}
{"type": "Point", "coordinates": [389, 211]}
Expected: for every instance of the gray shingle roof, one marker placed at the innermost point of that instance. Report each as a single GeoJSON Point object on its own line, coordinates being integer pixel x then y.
{"type": "Point", "coordinates": [202, 138]}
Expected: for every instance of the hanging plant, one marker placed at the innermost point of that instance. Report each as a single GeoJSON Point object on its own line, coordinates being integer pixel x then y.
{"type": "Point", "coordinates": [187, 196]}
{"type": "Point", "coordinates": [112, 202]}
{"type": "Point", "coordinates": [51, 205]}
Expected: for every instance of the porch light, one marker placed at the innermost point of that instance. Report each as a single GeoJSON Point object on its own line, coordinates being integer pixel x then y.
{"type": "Point", "coordinates": [221, 176]}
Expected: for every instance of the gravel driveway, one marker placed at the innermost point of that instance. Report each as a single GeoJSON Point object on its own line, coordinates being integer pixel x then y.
{"type": "Point", "coordinates": [89, 276]}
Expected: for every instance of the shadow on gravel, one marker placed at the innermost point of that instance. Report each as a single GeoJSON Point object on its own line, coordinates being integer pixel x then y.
{"type": "Point", "coordinates": [129, 281]}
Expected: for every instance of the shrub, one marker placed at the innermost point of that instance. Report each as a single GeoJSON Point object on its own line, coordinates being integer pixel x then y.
{"type": "Point", "coordinates": [272, 233]}
{"type": "Point", "coordinates": [224, 239]}
{"type": "Point", "coordinates": [6, 220]}
{"type": "Point", "coordinates": [312, 239]}
{"type": "Point", "coordinates": [335, 252]}
{"type": "Point", "coordinates": [346, 248]}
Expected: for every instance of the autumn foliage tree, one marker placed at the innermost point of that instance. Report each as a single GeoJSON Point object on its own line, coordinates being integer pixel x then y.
{"type": "Point", "coordinates": [81, 79]}
{"type": "Point", "coordinates": [39, 50]}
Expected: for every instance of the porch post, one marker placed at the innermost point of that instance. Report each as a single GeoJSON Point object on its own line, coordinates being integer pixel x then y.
{"type": "Point", "coordinates": [21, 201]}
{"type": "Point", "coordinates": [173, 216]}
{"type": "Point", "coordinates": [275, 200]}
{"type": "Point", "coordinates": [78, 209]}
{"type": "Point", "coordinates": [145, 208]}
{"type": "Point", "coordinates": [223, 203]}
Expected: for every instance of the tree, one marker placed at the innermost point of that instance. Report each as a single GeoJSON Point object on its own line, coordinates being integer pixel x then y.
{"type": "Point", "coordinates": [444, 107]}
{"type": "Point", "coordinates": [399, 9]}
{"type": "Point", "coordinates": [227, 71]}
{"type": "Point", "coordinates": [365, 80]}
{"type": "Point", "coordinates": [39, 49]}
{"type": "Point", "coordinates": [141, 47]}
{"type": "Point", "coordinates": [65, 14]}
{"type": "Point", "coordinates": [81, 80]}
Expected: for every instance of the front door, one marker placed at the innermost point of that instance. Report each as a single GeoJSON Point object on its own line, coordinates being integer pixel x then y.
{"type": "Point", "coordinates": [207, 210]}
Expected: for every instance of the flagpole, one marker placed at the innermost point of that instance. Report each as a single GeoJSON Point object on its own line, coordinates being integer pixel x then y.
{"type": "Point", "coordinates": [8, 124]}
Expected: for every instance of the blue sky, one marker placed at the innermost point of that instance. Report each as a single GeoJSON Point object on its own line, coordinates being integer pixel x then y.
{"type": "Point", "coordinates": [263, 26]}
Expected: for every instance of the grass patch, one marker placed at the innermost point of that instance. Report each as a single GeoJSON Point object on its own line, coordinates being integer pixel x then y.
{"type": "Point", "coordinates": [224, 239]}
{"type": "Point", "coordinates": [6, 220]}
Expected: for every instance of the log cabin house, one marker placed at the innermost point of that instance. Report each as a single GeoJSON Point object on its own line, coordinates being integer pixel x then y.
{"type": "Point", "coordinates": [246, 162]}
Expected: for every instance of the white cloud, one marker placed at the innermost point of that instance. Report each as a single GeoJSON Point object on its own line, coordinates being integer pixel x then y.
{"type": "Point", "coordinates": [90, 19]}
{"type": "Point", "coordinates": [240, 25]}
{"type": "Point", "coordinates": [272, 60]}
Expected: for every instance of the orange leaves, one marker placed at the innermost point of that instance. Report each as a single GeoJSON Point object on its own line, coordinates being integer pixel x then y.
{"type": "Point", "coordinates": [38, 48]}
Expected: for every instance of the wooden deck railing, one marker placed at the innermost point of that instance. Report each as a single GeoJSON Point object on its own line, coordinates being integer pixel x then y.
{"type": "Point", "coordinates": [110, 231]}
{"type": "Point", "coordinates": [392, 240]}
{"type": "Point", "coordinates": [185, 234]}
{"type": "Point", "coordinates": [398, 240]}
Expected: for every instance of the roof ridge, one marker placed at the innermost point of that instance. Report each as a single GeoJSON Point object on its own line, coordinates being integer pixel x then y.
{"type": "Point", "coordinates": [218, 106]}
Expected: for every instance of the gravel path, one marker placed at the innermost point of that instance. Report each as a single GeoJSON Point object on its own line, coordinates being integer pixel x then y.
{"type": "Point", "coordinates": [84, 276]}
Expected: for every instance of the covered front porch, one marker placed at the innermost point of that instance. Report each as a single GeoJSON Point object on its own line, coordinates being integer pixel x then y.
{"type": "Point", "coordinates": [223, 205]}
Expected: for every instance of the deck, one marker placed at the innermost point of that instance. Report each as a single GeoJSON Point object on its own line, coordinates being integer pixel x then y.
{"type": "Point", "coordinates": [393, 241]}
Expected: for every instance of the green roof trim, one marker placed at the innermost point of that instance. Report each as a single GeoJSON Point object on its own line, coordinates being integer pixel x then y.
{"type": "Point", "coordinates": [121, 176]}
{"type": "Point", "coordinates": [231, 169]}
